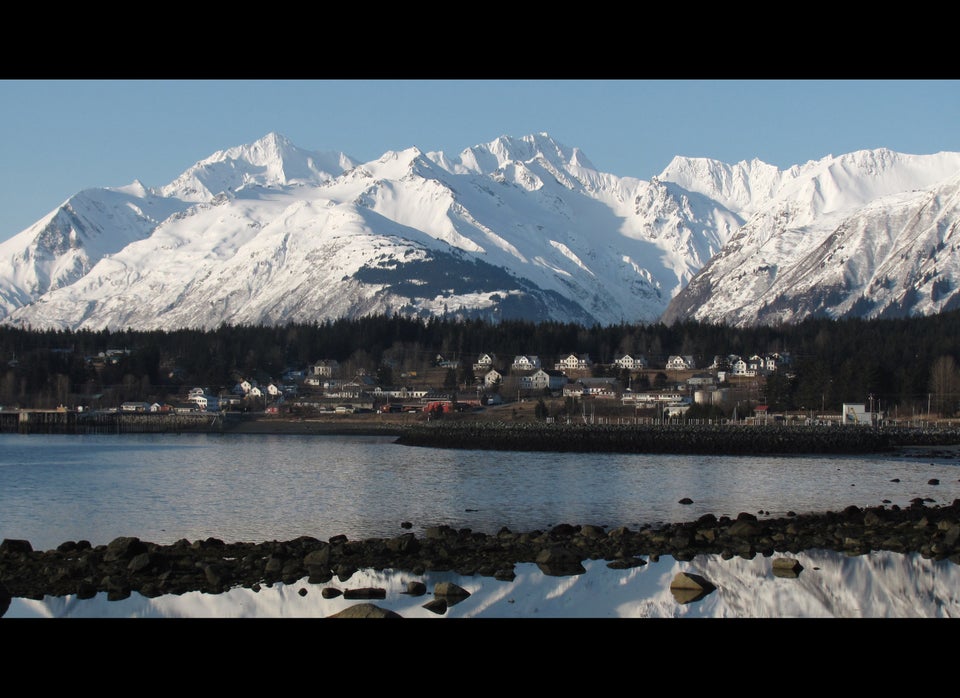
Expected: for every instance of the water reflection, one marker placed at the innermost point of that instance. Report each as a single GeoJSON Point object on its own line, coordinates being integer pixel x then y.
{"type": "Point", "coordinates": [818, 584]}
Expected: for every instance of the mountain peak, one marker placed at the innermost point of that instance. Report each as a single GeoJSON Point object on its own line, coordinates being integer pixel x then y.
{"type": "Point", "coordinates": [505, 150]}
{"type": "Point", "coordinates": [270, 161]}
{"type": "Point", "coordinates": [268, 232]}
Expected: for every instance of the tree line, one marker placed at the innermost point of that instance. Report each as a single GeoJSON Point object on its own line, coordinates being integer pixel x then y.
{"type": "Point", "coordinates": [905, 364]}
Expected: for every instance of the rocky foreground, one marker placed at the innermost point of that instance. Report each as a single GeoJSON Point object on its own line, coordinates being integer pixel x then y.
{"type": "Point", "coordinates": [128, 564]}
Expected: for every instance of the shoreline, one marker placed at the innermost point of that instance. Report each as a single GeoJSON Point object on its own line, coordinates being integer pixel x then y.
{"type": "Point", "coordinates": [482, 431]}
{"type": "Point", "coordinates": [128, 564]}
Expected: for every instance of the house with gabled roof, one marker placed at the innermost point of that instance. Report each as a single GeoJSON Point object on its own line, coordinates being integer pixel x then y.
{"type": "Point", "coordinates": [484, 363]}
{"type": "Point", "coordinates": [600, 387]}
{"type": "Point", "coordinates": [542, 379]}
{"type": "Point", "coordinates": [573, 362]}
{"type": "Point", "coordinates": [525, 362]}
{"type": "Point", "coordinates": [492, 377]}
{"type": "Point", "coordinates": [326, 367]}
{"type": "Point", "coordinates": [631, 363]}
{"type": "Point", "coordinates": [680, 363]}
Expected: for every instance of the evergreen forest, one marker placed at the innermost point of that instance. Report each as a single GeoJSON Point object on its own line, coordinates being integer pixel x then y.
{"type": "Point", "coordinates": [907, 364]}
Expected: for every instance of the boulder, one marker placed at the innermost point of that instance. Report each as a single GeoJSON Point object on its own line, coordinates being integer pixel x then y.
{"type": "Point", "coordinates": [787, 567]}
{"type": "Point", "coordinates": [365, 610]}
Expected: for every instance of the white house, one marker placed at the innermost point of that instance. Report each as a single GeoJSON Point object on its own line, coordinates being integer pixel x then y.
{"type": "Point", "coordinates": [492, 377]}
{"type": "Point", "coordinates": [525, 362]}
{"type": "Point", "coordinates": [573, 362]}
{"type": "Point", "coordinates": [326, 367]}
{"type": "Point", "coordinates": [631, 363]}
{"type": "Point", "coordinates": [542, 379]}
{"type": "Point", "coordinates": [603, 387]}
{"type": "Point", "coordinates": [208, 403]}
{"type": "Point", "coordinates": [680, 363]}
{"type": "Point", "coordinates": [653, 398]}
{"type": "Point", "coordinates": [742, 368]}
{"type": "Point", "coordinates": [484, 363]}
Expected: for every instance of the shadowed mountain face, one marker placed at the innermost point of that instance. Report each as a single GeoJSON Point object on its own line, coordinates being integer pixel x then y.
{"type": "Point", "coordinates": [449, 285]}
{"type": "Point", "coordinates": [518, 228]}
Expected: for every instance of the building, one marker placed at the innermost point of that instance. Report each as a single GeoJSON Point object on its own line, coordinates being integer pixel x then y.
{"type": "Point", "coordinates": [543, 379]}
{"type": "Point", "coordinates": [525, 362]}
{"type": "Point", "coordinates": [326, 368]}
{"type": "Point", "coordinates": [484, 363]}
{"type": "Point", "coordinates": [631, 363]}
{"type": "Point", "coordinates": [573, 362]}
{"type": "Point", "coordinates": [680, 363]}
{"type": "Point", "coordinates": [855, 413]}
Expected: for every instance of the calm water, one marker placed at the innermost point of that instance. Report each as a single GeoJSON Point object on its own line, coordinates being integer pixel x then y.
{"type": "Point", "coordinates": [255, 488]}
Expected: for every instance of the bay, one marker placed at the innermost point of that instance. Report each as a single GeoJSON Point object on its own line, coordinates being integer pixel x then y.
{"type": "Point", "coordinates": [162, 488]}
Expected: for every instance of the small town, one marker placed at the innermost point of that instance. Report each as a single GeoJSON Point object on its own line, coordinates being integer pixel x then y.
{"type": "Point", "coordinates": [572, 388]}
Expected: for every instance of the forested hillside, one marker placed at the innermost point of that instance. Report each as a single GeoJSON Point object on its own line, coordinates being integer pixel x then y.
{"type": "Point", "coordinates": [907, 364]}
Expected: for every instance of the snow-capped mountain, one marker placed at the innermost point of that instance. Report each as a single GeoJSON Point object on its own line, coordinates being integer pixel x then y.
{"type": "Point", "coordinates": [268, 233]}
{"type": "Point", "coordinates": [869, 234]}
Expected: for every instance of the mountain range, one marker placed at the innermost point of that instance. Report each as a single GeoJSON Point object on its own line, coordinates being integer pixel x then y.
{"type": "Point", "coordinates": [518, 228]}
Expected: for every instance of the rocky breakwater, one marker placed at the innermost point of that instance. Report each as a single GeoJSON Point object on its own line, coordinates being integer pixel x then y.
{"type": "Point", "coordinates": [128, 564]}
{"type": "Point", "coordinates": [692, 438]}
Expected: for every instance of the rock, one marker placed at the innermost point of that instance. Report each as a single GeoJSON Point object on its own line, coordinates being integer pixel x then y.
{"type": "Point", "coordinates": [5, 599]}
{"type": "Point", "coordinates": [590, 531]}
{"type": "Point", "coordinates": [318, 558]}
{"type": "Point", "coordinates": [365, 593]}
{"type": "Point", "coordinates": [438, 606]}
{"type": "Point", "coordinates": [786, 567]}
{"type": "Point", "coordinates": [124, 548]}
{"type": "Point", "coordinates": [15, 545]}
{"type": "Point", "coordinates": [744, 528]}
{"type": "Point", "coordinates": [558, 561]}
{"type": "Point", "coordinates": [406, 544]}
{"type": "Point", "coordinates": [688, 587]}
{"type": "Point", "coordinates": [213, 566]}
{"type": "Point", "coordinates": [415, 588]}
{"type": "Point", "coordinates": [450, 590]}
{"type": "Point", "coordinates": [691, 580]}
{"type": "Point", "coordinates": [365, 610]}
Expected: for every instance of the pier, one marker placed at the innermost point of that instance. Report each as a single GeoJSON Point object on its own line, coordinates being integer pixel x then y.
{"type": "Point", "coordinates": [64, 421]}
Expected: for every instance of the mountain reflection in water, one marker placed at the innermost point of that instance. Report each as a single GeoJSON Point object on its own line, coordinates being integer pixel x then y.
{"type": "Point", "coordinates": [824, 584]}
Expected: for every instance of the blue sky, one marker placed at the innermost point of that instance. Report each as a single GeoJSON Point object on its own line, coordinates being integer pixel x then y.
{"type": "Point", "coordinates": [58, 137]}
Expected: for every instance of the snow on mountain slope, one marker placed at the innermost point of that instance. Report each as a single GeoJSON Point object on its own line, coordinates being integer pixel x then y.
{"type": "Point", "coordinates": [518, 228]}
{"type": "Point", "coordinates": [515, 228]}
{"type": "Point", "coordinates": [64, 245]}
{"type": "Point", "coordinates": [272, 161]}
{"type": "Point", "coordinates": [870, 234]}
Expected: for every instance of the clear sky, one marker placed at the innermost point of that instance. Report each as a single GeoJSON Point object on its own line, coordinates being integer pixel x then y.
{"type": "Point", "coordinates": [58, 137]}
